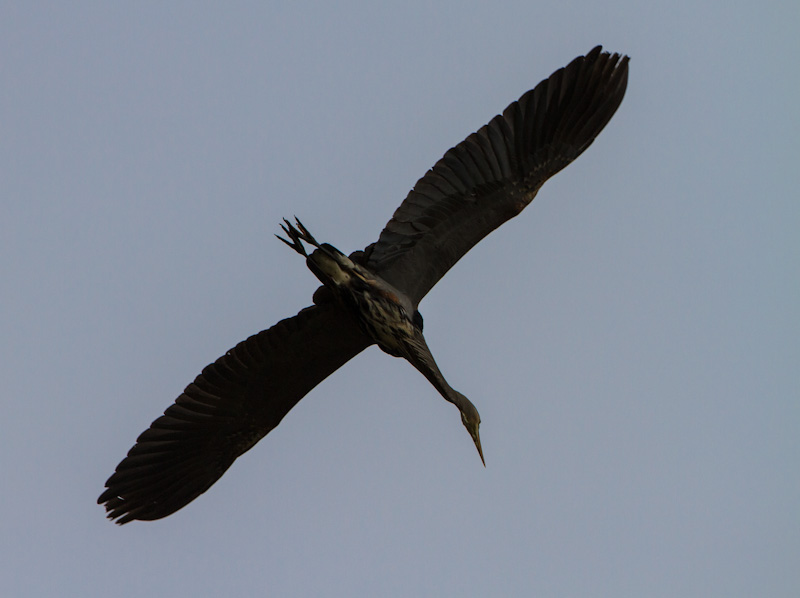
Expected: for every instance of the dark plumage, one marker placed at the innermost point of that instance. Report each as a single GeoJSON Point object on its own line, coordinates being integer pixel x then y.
{"type": "Point", "coordinates": [370, 297]}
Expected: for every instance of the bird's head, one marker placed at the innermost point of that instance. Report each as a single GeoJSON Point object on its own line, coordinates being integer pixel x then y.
{"type": "Point", "coordinates": [472, 421]}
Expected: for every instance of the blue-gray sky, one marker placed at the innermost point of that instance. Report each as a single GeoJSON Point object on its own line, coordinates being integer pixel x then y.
{"type": "Point", "coordinates": [631, 340]}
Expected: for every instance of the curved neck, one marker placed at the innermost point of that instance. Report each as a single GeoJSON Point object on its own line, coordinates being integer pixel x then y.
{"type": "Point", "coordinates": [417, 353]}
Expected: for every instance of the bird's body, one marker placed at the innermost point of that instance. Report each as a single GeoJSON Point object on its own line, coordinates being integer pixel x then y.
{"type": "Point", "coordinates": [370, 297]}
{"type": "Point", "coordinates": [384, 314]}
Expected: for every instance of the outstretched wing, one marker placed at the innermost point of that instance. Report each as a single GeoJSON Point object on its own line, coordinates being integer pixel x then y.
{"type": "Point", "coordinates": [229, 407]}
{"type": "Point", "coordinates": [493, 174]}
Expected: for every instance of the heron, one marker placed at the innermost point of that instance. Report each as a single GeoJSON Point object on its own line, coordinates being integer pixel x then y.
{"type": "Point", "coordinates": [370, 297]}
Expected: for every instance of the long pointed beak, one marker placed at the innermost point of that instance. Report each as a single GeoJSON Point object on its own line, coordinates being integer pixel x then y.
{"type": "Point", "coordinates": [477, 439]}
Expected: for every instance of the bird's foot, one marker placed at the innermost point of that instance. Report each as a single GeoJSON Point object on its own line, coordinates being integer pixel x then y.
{"type": "Point", "coordinates": [297, 236]}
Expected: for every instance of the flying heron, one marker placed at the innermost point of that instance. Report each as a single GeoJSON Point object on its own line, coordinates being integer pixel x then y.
{"type": "Point", "coordinates": [370, 297]}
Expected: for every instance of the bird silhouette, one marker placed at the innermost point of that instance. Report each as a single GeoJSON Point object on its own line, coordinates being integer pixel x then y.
{"type": "Point", "coordinates": [370, 297]}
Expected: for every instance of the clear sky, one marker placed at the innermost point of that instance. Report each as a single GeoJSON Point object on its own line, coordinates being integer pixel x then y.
{"type": "Point", "coordinates": [632, 340]}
